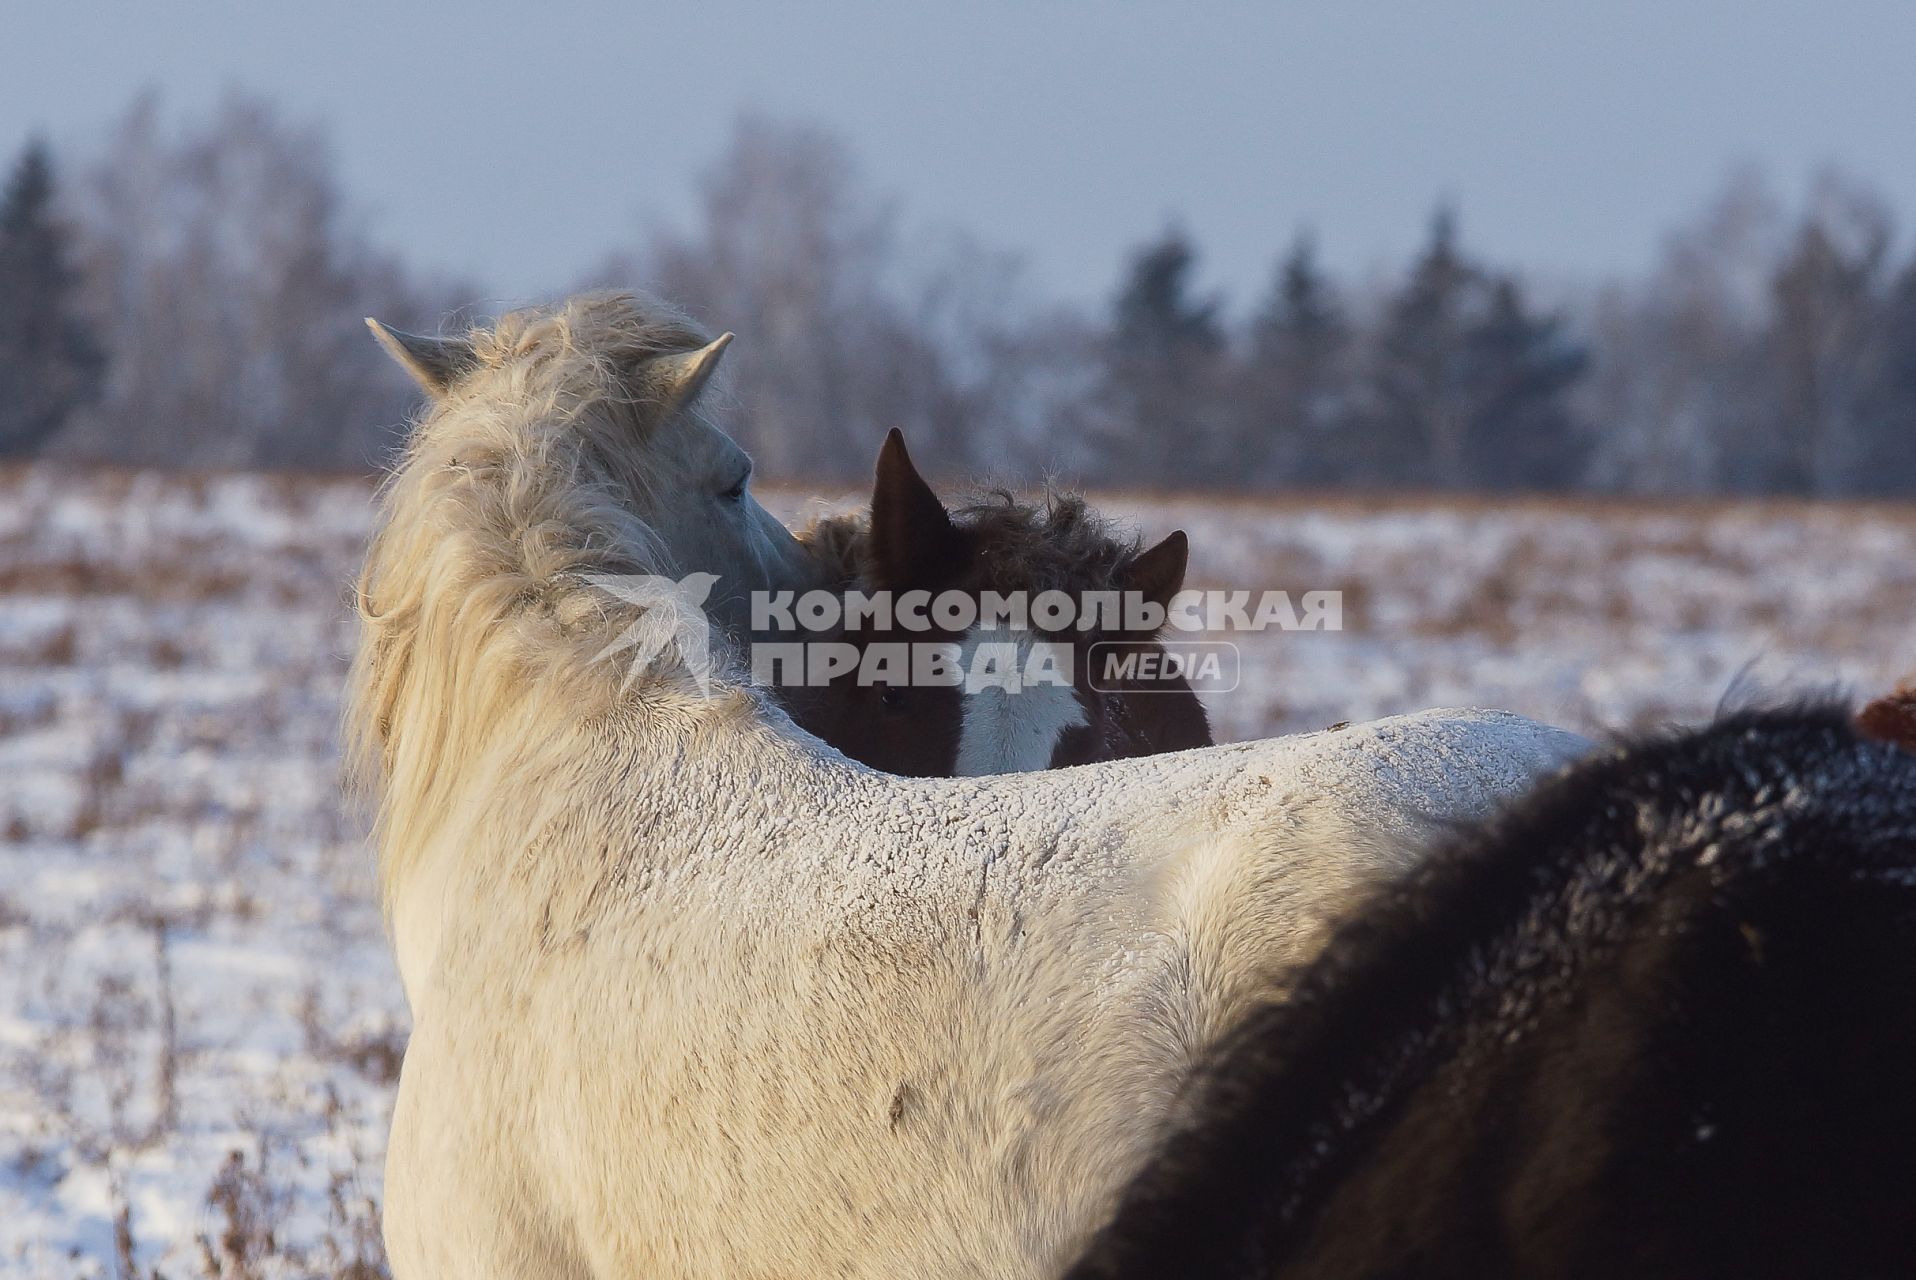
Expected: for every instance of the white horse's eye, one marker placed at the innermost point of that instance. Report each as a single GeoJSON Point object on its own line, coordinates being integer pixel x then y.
{"type": "Point", "coordinates": [737, 492]}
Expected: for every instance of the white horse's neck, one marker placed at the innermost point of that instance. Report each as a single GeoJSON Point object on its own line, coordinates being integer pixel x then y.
{"type": "Point", "coordinates": [662, 771]}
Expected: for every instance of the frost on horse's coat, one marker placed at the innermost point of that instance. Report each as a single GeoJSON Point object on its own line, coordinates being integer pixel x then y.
{"type": "Point", "coordinates": [1652, 1021]}
{"type": "Point", "coordinates": [693, 994]}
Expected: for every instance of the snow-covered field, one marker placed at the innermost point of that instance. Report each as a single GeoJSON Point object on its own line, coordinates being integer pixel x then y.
{"type": "Point", "coordinates": [199, 1022]}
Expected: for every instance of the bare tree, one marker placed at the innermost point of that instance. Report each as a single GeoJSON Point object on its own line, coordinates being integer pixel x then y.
{"type": "Point", "coordinates": [230, 282]}
{"type": "Point", "coordinates": [1757, 358]}
{"type": "Point", "coordinates": [854, 326]}
{"type": "Point", "coordinates": [787, 249]}
{"type": "Point", "coordinates": [1828, 299]}
{"type": "Point", "coordinates": [1679, 393]}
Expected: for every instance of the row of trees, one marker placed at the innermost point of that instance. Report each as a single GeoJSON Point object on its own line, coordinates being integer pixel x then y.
{"type": "Point", "coordinates": [1452, 381]}
{"type": "Point", "coordinates": [1766, 354]}
{"type": "Point", "coordinates": [194, 297]}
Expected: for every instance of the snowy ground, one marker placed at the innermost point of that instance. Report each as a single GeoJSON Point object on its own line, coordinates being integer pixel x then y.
{"type": "Point", "coordinates": [199, 1022]}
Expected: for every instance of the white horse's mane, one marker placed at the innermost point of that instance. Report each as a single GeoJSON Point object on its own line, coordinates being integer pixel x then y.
{"type": "Point", "coordinates": [520, 479]}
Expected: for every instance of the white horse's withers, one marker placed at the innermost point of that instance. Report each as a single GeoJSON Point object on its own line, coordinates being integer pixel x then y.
{"type": "Point", "coordinates": [694, 995]}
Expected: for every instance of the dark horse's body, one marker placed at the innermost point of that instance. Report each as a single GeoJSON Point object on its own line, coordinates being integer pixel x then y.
{"type": "Point", "coordinates": [1658, 1020]}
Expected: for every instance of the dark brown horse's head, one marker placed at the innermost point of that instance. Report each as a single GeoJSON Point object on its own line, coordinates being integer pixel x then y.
{"type": "Point", "coordinates": [1029, 693]}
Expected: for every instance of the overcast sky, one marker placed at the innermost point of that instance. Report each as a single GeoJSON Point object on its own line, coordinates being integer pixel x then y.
{"type": "Point", "coordinates": [515, 140]}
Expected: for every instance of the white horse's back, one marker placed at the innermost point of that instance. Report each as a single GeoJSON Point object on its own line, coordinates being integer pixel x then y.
{"type": "Point", "coordinates": [861, 1026]}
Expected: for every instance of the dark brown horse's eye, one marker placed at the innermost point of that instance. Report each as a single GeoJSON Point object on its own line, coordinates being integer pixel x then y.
{"type": "Point", "coordinates": [892, 698]}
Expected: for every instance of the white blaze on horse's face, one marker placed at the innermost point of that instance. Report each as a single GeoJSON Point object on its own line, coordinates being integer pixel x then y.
{"type": "Point", "coordinates": [1014, 730]}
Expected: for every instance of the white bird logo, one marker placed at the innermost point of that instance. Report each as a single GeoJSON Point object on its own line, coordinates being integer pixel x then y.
{"type": "Point", "coordinates": [671, 622]}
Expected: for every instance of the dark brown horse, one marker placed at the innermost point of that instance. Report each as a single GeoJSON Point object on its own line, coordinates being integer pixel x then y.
{"type": "Point", "coordinates": [1655, 1021]}
{"type": "Point", "coordinates": [997, 545]}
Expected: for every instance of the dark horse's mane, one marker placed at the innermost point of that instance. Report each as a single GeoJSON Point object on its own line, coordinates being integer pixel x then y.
{"type": "Point", "coordinates": [1656, 1019]}
{"type": "Point", "coordinates": [1055, 542]}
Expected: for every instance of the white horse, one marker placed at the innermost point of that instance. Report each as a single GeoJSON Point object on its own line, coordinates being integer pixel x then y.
{"type": "Point", "coordinates": [696, 996]}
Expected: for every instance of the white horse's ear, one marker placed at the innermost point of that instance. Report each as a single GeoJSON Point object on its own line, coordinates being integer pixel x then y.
{"type": "Point", "coordinates": [683, 375]}
{"type": "Point", "coordinates": [436, 364]}
{"type": "Point", "coordinates": [1158, 573]}
{"type": "Point", "coordinates": [914, 545]}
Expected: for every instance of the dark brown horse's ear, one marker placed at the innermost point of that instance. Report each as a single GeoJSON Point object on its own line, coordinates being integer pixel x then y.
{"type": "Point", "coordinates": [1158, 573]}
{"type": "Point", "coordinates": [914, 544]}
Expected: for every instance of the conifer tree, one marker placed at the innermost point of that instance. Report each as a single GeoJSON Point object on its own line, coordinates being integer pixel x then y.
{"type": "Point", "coordinates": [1295, 386]}
{"type": "Point", "coordinates": [1164, 358]}
{"type": "Point", "coordinates": [50, 361]}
